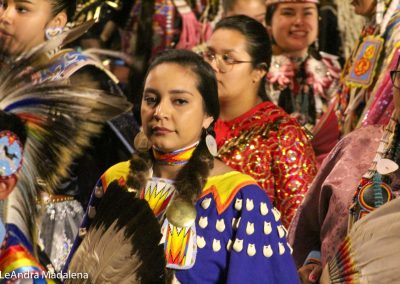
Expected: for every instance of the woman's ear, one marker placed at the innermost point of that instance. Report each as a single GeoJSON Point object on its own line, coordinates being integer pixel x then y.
{"type": "Point", "coordinates": [259, 72]}
{"type": "Point", "coordinates": [207, 121]}
{"type": "Point", "coordinates": [59, 21]}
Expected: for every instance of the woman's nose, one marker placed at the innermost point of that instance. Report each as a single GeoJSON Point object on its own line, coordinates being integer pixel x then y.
{"type": "Point", "coordinates": [298, 20]}
{"type": "Point", "coordinates": [6, 15]}
{"type": "Point", "coordinates": [161, 111]}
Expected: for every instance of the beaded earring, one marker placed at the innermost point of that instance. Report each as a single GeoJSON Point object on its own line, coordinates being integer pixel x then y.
{"type": "Point", "coordinates": [53, 32]}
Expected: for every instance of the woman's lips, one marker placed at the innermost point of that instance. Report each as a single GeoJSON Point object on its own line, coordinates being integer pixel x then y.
{"type": "Point", "coordinates": [298, 33]}
{"type": "Point", "coordinates": [160, 130]}
{"type": "Point", "coordinates": [4, 33]}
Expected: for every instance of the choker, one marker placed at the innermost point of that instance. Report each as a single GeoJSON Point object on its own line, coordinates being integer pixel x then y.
{"type": "Point", "coordinates": [177, 157]}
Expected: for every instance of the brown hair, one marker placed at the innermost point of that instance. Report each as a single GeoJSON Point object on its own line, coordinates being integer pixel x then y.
{"type": "Point", "coordinates": [193, 176]}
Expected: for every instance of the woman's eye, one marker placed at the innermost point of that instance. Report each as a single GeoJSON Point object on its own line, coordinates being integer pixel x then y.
{"type": "Point", "coordinates": [228, 59]}
{"type": "Point", "coordinates": [209, 55]}
{"type": "Point", "coordinates": [150, 100]}
{"type": "Point", "coordinates": [22, 9]}
{"type": "Point", "coordinates": [288, 13]}
{"type": "Point", "coordinates": [180, 101]}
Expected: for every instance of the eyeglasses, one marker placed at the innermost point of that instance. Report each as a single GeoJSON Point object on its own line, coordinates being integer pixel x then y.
{"type": "Point", "coordinates": [395, 77]}
{"type": "Point", "coordinates": [224, 62]}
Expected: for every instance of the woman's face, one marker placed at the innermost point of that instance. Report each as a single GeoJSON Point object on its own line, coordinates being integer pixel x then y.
{"type": "Point", "coordinates": [252, 8]}
{"type": "Point", "coordinates": [172, 108]}
{"type": "Point", "coordinates": [234, 80]}
{"type": "Point", "coordinates": [23, 24]}
{"type": "Point", "coordinates": [294, 27]}
{"type": "Point", "coordinates": [364, 8]}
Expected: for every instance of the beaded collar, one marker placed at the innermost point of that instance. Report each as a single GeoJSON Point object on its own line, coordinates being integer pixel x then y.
{"type": "Point", "coordinates": [177, 157]}
{"type": "Point", "coordinates": [374, 188]}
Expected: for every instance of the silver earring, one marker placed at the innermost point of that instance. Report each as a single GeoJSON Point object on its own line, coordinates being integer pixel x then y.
{"type": "Point", "coordinates": [53, 32]}
{"type": "Point", "coordinates": [141, 142]}
{"type": "Point", "coordinates": [211, 144]}
{"type": "Point", "coordinates": [316, 44]}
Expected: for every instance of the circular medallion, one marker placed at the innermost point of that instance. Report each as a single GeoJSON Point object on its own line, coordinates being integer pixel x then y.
{"type": "Point", "coordinates": [11, 151]}
{"type": "Point", "coordinates": [366, 195]}
{"type": "Point", "coordinates": [181, 213]}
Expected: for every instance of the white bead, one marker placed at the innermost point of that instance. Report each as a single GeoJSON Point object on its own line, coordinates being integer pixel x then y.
{"type": "Point", "coordinates": [249, 204]}
{"type": "Point", "coordinates": [238, 204]}
{"type": "Point", "coordinates": [238, 245]}
{"type": "Point", "coordinates": [290, 248]}
{"type": "Point", "coordinates": [281, 248]}
{"type": "Point", "coordinates": [267, 251]}
{"type": "Point", "coordinates": [267, 228]}
{"type": "Point", "coordinates": [277, 214]}
{"type": "Point", "coordinates": [263, 208]}
{"type": "Point", "coordinates": [251, 249]}
{"type": "Point", "coordinates": [281, 231]}
{"type": "Point", "coordinates": [250, 228]}
{"type": "Point", "coordinates": [203, 222]}
{"type": "Point", "coordinates": [201, 242]}
{"type": "Point", "coordinates": [216, 245]}
{"type": "Point", "coordinates": [220, 225]}
{"type": "Point", "coordinates": [206, 203]}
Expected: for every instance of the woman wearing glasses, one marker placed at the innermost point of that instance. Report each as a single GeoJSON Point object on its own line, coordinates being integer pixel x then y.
{"type": "Point", "coordinates": [254, 135]}
{"type": "Point", "coordinates": [359, 175]}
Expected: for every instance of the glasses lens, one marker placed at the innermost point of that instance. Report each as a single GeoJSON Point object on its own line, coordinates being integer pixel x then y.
{"type": "Point", "coordinates": [222, 66]}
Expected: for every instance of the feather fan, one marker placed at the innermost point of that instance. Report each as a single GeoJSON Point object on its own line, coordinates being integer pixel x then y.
{"type": "Point", "coordinates": [60, 120]}
{"type": "Point", "coordinates": [123, 243]}
{"type": "Point", "coordinates": [371, 251]}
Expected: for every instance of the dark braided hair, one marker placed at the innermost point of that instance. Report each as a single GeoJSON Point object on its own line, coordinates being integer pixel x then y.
{"type": "Point", "coordinates": [11, 122]}
{"type": "Point", "coordinates": [69, 6]}
{"type": "Point", "coordinates": [193, 176]}
{"type": "Point", "coordinates": [257, 41]}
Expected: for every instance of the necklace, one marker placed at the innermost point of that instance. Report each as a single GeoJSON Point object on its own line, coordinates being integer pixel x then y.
{"type": "Point", "coordinates": [374, 190]}
{"type": "Point", "coordinates": [177, 157]}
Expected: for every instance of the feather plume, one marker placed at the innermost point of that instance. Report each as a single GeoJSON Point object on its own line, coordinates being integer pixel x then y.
{"type": "Point", "coordinates": [60, 120]}
{"type": "Point", "coordinates": [371, 251]}
{"type": "Point", "coordinates": [123, 243]}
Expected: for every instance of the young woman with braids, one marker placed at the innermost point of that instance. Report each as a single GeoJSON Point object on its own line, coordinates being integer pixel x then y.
{"type": "Point", "coordinates": [46, 19]}
{"type": "Point", "coordinates": [231, 231]}
{"type": "Point", "coordinates": [255, 136]}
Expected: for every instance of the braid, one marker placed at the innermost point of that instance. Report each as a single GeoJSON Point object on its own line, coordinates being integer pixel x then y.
{"type": "Point", "coordinates": [139, 168]}
{"type": "Point", "coordinates": [193, 176]}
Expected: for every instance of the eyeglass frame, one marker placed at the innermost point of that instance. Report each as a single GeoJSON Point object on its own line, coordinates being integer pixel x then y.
{"type": "Point", "coordinates": [203, 54]}
{"type": "Point", "coordinates": [392, 75]}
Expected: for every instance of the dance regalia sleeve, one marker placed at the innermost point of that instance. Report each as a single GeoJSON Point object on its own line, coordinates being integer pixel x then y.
{"type": "Point", "coordinates": [268, 145]}
{"type": "Point", "coordinates": [322, 219]}
{"type": "Point", "coordinates": [240, 238]}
